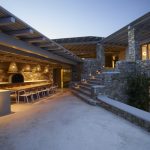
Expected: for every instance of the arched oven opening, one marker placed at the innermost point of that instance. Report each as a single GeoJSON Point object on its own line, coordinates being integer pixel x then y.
{"type": "Point", "coordinates": [16, 78]}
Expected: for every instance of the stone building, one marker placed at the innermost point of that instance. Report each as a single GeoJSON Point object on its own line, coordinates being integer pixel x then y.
{"type": "Point", "coordinates": [29, 57]}
{"type": "Point", "coordinates": [115, 57]}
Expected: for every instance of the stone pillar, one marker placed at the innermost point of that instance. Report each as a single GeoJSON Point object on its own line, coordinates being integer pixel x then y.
{"type": "Point", "coordinates": [133, 53]}
{"type": "Point", "coordinates": [100, 55]}
{"type": "Point", "coordinates": [76, 73]}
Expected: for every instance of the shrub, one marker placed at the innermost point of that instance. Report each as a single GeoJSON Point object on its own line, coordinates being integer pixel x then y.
{"type": "Point", "coordinates": [138, 91]}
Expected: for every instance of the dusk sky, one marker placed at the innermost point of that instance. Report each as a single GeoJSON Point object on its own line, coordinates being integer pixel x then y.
{"type": "Point", "coordinates": [74, 18]}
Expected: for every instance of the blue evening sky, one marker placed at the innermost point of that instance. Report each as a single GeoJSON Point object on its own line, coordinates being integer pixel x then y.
{"type": "Point", "coordinates": [74, 18]}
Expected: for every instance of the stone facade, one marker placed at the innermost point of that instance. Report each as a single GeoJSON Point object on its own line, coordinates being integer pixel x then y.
{"type": "Point", "coordinates": [100, 55]}
{"type": "Point", "coordinates": [28, 76]}
{"type": "Point", "coordinates": [89, 67]}
{"type": "Point", "coordinates": [143, 67]}
{"type": "Point", "coordinates": [116, 83]}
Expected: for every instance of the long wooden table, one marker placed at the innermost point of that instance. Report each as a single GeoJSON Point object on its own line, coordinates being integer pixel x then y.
{"type": "Point", "coordinates": [27, 87]}
{"type": "Point", "coordinates": [15, 90]}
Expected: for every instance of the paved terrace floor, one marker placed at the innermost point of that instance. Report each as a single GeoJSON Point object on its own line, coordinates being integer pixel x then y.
{"type": "Point", "coordinates": [64, 122]}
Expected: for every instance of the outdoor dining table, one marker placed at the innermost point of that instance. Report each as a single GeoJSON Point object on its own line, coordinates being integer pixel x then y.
{"type": "Point", "coordinates": [15, 90]}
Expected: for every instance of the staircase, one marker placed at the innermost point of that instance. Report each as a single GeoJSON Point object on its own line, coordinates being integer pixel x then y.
{"type": "Point", "coordinates": [83, 90]}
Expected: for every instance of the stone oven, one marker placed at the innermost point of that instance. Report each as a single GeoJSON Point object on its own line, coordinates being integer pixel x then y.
{"type": "Point", "coordinates": [16, 78]}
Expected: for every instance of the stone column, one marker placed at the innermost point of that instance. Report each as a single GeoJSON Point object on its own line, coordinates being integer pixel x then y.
{"type": "Point", "coordinates": [76, 73]}
{"type": "Point", "coordinates": [133, 53]}
{"type": "Point", "coordinates": [100, 55]}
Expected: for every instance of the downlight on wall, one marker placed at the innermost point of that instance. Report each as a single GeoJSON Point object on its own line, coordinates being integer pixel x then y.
{"type": "Point", "coordinates": [38, 68]}
{"type": "Point", "coordinates": [46, 69]}
{"type": "Point", "coordinates": [13, 67]}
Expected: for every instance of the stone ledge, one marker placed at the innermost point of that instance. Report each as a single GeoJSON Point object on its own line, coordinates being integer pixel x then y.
{"type": "Point", "coordinates": [132, 114]}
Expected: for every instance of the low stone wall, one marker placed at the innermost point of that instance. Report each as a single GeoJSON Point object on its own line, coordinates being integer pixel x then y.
{"type": "Point", "coordinates": [130, 113]}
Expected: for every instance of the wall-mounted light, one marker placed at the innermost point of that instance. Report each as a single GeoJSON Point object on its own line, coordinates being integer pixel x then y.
{"type": "Point", "coordinates": [38, 68]}
{"type": "Point", "coordinates": [13, 67]}
{"type": "Point", "coordinates": [46, 69]}
{"type": "Point", "coordinates": [27, 68]}
{"type": "Point", "coordinates": [144, 53]}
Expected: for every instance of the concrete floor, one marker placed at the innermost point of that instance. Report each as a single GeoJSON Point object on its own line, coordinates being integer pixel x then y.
{"type": "Point", "coordinates": [64, 122]}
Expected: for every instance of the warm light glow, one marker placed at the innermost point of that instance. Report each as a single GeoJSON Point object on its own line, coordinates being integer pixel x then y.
{"type": "Point", "coordinates": [38, 68]}
{"type": "Point", "coordinates": [46, 69]}
{"type": "Point", "coordinates": [62, 83]}
{"type": "Point", "coordinates": [93, 77]}
{"type": "Point", "coordinates": [98, 72]}
{"type": "Point", "coordinates": [144, 53]}
{"type": "Point", "coordinates": [83, 81]}
{"type": "Point", "coordinates": [27, 68]}
{"type": "Point", "coordinates": [13, 67]}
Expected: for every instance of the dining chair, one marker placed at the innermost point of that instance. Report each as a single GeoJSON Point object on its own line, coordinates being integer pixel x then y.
{"type": "Point", "coordinates": [25, 94]}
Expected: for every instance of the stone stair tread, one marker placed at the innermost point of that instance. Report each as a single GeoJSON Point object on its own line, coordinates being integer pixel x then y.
{"type": "Point", "coordinates": [86, 92]}
{"type": "Point", "coordinates": [85, 86]}
{"type": "Point", "coordinates": [84, 97]}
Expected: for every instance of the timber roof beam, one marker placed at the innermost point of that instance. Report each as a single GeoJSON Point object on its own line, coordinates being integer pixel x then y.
{"type": "Point", "coordinates": [7, 20]}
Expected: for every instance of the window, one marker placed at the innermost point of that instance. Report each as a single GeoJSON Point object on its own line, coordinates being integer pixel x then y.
{"type": "Point", "coordinates": [149, 51]}
{"type": "Point", "coordinates": [145, 51]}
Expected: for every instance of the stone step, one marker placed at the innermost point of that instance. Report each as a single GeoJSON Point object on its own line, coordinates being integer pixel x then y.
{"type": "Point", "coordinates": [84, 97]}
{"type": "Point", "coordinates": [87, 84]}
{"type": "Point", "coordinates": [83, 91]}
{"type": "Point", "coordinates": [86, 87]}
{"type": "Point", "coordinates": [97, 82]}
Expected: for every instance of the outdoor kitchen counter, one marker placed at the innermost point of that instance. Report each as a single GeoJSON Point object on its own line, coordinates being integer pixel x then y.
{"type": "Point", "coordinates": [5, 102]}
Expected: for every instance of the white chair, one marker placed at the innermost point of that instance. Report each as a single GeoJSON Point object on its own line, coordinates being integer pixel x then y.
{"type": "Point", "coordinates": [39, 92]}
{"type": "Point", "coordinates": [36, 93]}
{"type": "Point", "coordinates": [44, 91]}
{"type": "Point", "coordinates": [49, 90]}
{"type": "Point", "coordinates": [25, 95]}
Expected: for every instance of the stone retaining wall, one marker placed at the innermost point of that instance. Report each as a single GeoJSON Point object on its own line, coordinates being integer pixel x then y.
{"type": "Point", "coordinates": [116, 84]}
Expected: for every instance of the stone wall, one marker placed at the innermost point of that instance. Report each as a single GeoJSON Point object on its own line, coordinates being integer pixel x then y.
{"type": "Point", "coordinates": [28, 76]}
{"type": "Point", "coordinates": [116, 83]}
{"type": "Point", "coordinates": [89, 68]}
{"type": "Point", "coordinates": [143, 67]}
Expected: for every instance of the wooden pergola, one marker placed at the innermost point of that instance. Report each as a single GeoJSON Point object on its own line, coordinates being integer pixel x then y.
{"type": "Point", "coordinates": [17, 37]}
{"type": "Point", "coordinates": [84, 47]}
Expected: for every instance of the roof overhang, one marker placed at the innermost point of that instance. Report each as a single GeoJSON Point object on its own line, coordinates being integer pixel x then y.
{"type": "Point", "coordinates": [120, 37]}
{"type": "Point", "coordinates": [22, 33]}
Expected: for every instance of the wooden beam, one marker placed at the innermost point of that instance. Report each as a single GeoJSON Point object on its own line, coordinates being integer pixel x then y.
{"type": "Point", "coordinates": [145, 41]}
{"type": "Point", "coordinates": [21, 46]}
{"type": "Point", "coordinates": [78, 43]}
{"type": "Point", "coordinates": [35, 40]}
{"type": "Point", "coordinates": [20, 32]}
{"type": "Point", "coordinates": [7, 21]}
{"type": "Point", "coordinates": [54, 48]}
